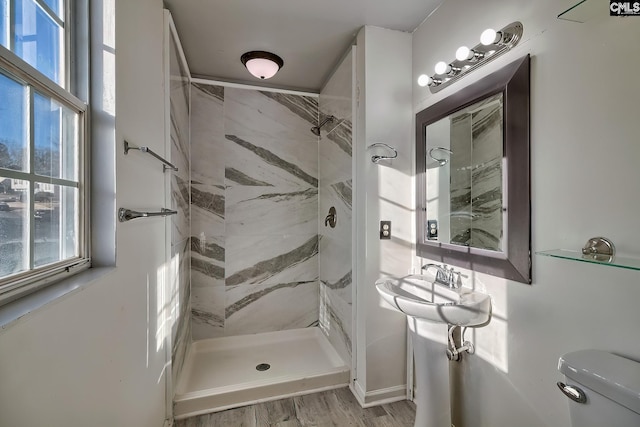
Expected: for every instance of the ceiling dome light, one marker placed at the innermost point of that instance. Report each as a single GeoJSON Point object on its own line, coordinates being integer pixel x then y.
{"type": "Point", "coordinates": [263, 65]}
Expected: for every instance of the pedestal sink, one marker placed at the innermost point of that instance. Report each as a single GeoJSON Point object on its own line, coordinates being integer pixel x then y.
{"type": "Point", "coordinates": [425, 302]}
{"type": "Point", "coordinates": [418, 296]}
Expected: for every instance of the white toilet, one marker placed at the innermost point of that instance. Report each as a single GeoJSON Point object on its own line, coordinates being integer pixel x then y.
{"type": "Point", "coordinates": [603, 389]}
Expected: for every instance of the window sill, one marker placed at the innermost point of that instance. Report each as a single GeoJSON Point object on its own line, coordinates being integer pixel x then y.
{"type": "Point", "coordinates": [18, 310]}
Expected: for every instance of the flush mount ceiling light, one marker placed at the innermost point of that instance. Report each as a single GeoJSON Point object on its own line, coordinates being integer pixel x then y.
{"type": "Point", "coordinates": [263, 65]}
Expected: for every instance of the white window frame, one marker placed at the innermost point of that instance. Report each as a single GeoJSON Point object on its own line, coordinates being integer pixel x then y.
{"type": "Point", "coordinates": [22, 283]}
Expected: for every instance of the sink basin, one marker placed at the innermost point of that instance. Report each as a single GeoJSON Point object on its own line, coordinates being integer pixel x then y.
{"type": "Point", "coordinates": [420, 297]}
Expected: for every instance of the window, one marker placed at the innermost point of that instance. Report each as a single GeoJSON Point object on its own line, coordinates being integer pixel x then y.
{"type": "Point", "coordinates": [43, 201]}
{"type": "Point", "coordinates": [35, 31]}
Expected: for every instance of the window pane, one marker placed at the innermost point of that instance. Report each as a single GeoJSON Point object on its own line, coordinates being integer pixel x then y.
{"type": "Point", "coordinates": [4, 23]}
{"type": "Point", "coordinates": [37, 39]}
{"type": "Point", "coordinates": [13, 125]}
{"type": "Point", "coordinates": [14, 226]}
{"type": "Point", "coordinates": [56, 226]}
{"type": "Point", "coordinates": [56, 6]}
{"type": "Point", "coordinates": [55, 139]}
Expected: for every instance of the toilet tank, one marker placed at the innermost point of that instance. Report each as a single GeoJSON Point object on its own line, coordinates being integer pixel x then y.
{"type": "Point", "coordinates": [611, 386]}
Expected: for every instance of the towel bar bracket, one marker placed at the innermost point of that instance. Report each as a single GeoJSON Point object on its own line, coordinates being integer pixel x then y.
{"type": "Point", "coordinates": [166, 165]}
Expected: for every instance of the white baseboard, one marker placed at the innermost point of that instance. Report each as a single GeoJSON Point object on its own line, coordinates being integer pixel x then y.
{"type": "Point", "coordinates": [367, 399]}
{"type": "Point", "coordinates": [358, 392]}
{"type": "Point", "coordinates": [167, 423]}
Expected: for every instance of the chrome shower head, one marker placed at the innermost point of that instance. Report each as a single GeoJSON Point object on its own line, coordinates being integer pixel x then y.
{"type": "Point", "coordinates": [316, 129]}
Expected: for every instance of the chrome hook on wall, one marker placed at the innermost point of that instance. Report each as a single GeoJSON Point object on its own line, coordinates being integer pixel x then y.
{"type": "Point", "coordinates": [376, 158]}
{"type": "Point", "coordinates": [441, 162]}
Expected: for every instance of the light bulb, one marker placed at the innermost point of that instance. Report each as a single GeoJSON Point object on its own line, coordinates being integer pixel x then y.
{"type": "Point", "coordinates": [424, 80]}
{"type": "Point", "coordinates": [488, 37]}
{"type": "Point", "coordinates": [442, 68]}
{"type": "Point", "coordinates": [464, 53]}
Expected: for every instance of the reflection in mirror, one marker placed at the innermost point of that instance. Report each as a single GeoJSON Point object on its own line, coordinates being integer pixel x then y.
{"type": "Point", "coordinates": [472, 176]}
{"type": "Point", "coordinates": [464, 176]}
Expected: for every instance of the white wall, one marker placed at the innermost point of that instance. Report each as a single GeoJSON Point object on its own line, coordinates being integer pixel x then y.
{"type": "Point", "coordinates": [382, 192]}
{"type": "Point", "coordinates": [96, 357]}
{"type": "Point", "coordinates": [584, 168]}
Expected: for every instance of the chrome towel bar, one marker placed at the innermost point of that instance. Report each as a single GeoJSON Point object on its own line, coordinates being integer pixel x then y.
{"type": "Point", "coordinates": [128, 214]}
{"type": "Point", "coordinates": [147, 150]}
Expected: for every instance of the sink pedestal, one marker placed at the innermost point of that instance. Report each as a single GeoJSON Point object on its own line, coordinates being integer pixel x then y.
{"type": "Point", "coordinates": [433, 408]}
{"type": "Point", "coordinates": [430, 306]}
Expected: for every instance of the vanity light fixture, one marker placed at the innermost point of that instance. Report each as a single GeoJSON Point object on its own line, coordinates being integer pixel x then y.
{"type": "Point", "coordinates": [492, 44]}
{"type": "Point", "coordinates": [262, 65]}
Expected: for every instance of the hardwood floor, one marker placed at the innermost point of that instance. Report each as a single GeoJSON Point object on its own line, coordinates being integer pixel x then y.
{"type": "Point", "coordinates": [334, 408]}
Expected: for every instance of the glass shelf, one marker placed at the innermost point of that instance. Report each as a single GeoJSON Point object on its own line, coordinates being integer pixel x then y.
{"type": "Point", "coordinates": [585, 10]}
{"type": "Point", "coordinates": [618, 261]}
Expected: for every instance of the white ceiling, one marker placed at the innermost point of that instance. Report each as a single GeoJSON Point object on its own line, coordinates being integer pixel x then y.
{"type": "Point", "coordinates": [311, 36]}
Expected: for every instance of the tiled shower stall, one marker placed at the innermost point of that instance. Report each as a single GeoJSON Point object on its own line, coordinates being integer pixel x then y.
{"type": "Point", "coordinates": [254, 235]}
{"type": "Point", "coordinates": [253, 189]}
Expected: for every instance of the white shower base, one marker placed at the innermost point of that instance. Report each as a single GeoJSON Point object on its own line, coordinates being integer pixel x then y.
{"type": "Point", "coordinates": [220, 373]}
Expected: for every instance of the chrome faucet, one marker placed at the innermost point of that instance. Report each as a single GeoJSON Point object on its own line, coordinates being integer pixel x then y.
{"type": "Point", "coordinates": [445, 276]}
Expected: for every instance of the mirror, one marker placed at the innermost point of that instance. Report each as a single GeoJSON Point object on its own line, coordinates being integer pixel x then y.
{"type": "Point", "coordinates": [464, 176]}
{"type": "Point", "coordinates": [472, 176]}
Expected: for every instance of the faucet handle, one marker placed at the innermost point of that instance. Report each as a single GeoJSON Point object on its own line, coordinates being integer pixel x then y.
{"type": "Point", "coordinates": [449, 276]}
{"type": "Point", "coordinates": [445, 276]}
{"type": "Point", "coordinates": [455, 279]}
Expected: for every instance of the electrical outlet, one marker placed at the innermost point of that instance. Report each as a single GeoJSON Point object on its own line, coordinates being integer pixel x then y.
{"type": "Point", "coordinates": [432, 229]}
{"type": "Point", "coordinates": [385, 230]}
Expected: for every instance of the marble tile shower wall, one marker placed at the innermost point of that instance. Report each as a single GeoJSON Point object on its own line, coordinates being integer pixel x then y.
{"type": "Point", "coordinates": [254, 225]}
{"type": "Point", "coordinates": [335, 190]}
{"type": "Point", "coordinates": [179, 102]}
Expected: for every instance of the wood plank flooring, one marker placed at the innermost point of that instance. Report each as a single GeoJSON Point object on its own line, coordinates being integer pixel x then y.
{"type": "Point", "coordinates": [334, 408]}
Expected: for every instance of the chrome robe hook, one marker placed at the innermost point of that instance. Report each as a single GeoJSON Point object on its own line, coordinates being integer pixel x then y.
{"type": "Point", "coordinates": [376, 158]}
{"type": "Point", "coordinates": [441, 162]}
